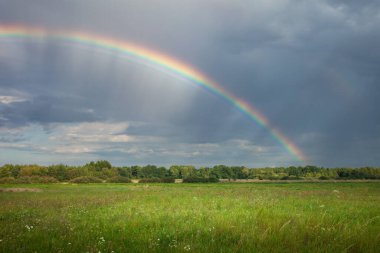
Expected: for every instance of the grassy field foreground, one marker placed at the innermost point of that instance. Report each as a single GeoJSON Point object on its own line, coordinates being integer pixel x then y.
{"type": "Point", "coordinates": [300, 217]}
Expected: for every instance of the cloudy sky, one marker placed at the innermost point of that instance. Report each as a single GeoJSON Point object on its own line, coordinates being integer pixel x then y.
{"type": "Point", "coordinates": [312, 67]}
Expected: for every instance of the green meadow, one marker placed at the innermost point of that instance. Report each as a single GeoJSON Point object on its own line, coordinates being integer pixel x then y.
{"type": "Point", "coordinates": [220, 217]}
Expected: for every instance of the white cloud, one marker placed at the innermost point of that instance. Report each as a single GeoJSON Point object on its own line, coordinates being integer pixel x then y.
{"type": "Point", "coordinates": [11, 99]}
{"type": "Point", "coordinates": [71, 149]}
{"type": "Point", "coordinates": [69, 138]}
{"type": "Point", "coordinates": [248, 146]}
{"type": "Point", "coordinates": [97, 132]}
{"type": "Point", "coordinates": [91, 132]}
{"type": "Point", "coordinates": [13, 145]}
{"type": "Point", "coordinates": [10, 96]}
{"type": "Point", "coordinates": [98, 140]}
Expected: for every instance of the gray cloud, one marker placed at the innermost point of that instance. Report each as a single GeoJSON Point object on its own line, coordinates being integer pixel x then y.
{"type": "Point", "coordinates": [310, 66]}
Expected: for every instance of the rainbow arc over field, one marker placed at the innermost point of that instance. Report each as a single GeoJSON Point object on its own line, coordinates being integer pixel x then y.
{"type": "Point", "coordinates": [157, 59]}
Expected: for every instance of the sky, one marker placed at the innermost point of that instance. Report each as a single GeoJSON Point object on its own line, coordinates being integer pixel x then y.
{"type": "Point", "coordinates": [310, 67]}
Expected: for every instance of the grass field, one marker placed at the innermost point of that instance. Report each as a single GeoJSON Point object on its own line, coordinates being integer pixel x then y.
{"type": "Point", "coordinates": [224, 217]}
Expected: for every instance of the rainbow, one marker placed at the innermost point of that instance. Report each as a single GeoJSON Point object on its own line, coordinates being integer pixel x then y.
{"type": "Point", "coordinates": [157, 59]}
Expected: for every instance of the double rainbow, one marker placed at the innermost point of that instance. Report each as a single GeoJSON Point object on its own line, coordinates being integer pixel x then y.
{"type": "Point", "coordinates": [154, 58]}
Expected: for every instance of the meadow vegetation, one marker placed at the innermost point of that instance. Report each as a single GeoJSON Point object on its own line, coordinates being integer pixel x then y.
{"type": "Point", "coordinates": [267, 217]}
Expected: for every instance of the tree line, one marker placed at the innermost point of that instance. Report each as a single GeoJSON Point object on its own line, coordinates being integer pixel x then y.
{"type": "Point", "coordinates": [103, 170]}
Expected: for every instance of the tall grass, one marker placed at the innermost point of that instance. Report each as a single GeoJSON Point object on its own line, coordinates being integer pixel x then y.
{"type": "Point", "coordinates": [299, 217]}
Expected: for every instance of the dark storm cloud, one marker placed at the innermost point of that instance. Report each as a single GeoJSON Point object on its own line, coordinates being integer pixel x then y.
{"type": "Point", "coordinates": [310, 66]}
{"type": "Point", "coordinates": [45, 110]}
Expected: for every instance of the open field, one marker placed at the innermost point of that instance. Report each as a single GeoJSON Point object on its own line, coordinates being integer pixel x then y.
{"type": "Point", "coordinates": [272, 217]}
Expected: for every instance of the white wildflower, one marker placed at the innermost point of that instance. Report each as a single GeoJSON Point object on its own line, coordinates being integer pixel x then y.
{"type": "Point", "coordinates": [173, 244]}
{"type": "Point", "coordinates": [28, 227]}
{"type": "Point", "coordinates": [101, 240]}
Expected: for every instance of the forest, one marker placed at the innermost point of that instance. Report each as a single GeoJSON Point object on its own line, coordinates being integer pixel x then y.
{"type": "Point", "coordinates": [102, 170]}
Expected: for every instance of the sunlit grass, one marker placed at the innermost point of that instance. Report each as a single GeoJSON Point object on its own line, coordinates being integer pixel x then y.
{"type": "Point", "coordinates": [299, 217]}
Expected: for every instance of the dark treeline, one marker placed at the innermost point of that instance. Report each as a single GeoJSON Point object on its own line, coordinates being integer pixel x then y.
{"type": "Point", "coordinates": [105, 171]}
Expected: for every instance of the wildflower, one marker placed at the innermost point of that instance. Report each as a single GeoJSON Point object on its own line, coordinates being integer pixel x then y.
{"type": "Point", "coordinates": [154, 243]}
{"type": "Point", "coordinates": [173, 244]}
{"type": "Point", "coordinates": [187, 247]}
{"type": "Point", "coordinates": [101, 240]}
{"type": "Point", "coordinates": [28, 227]}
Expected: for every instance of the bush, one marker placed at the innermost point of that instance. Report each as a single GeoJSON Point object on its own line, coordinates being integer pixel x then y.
{"type": "Point", "coordinates": [200, 180]}
{"type": "Point", "coordinates": [48, 180]}
{"type": "Point", "coordinates": [157, 180]}
{"type": "Point", "coordinates": [291, 178]}
{"type": "Point", "coordinates": [119, 179]}
{"type": "Point", "coordinates": [323, 178]}
{"type": "Point", "coordinates": [85, 180]}
{"type": "Point", "coordinates": [35, 180]}
{"type": "Point", "coordinates": [23, 180]}
{"type": "Point", "coordinates": [7, 180]}
{"type": "Point", "coordinates": [43, 180]}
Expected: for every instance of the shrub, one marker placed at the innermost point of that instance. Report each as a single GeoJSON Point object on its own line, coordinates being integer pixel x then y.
{"type": "Point", "coordinates": [157, 180]}
{"type": "Point", "coordinates": [43, 180]}
{"type": "Point", "coordinates": [291, 178]}
{"type": "Point", "coordinates": [295, 178]}
{"type": "Point", "coordinates": [200, 180]}
{"type": "Point", "coordinates": [23, 180]}
{"type": "Point", "coordinates": [7, 180]}
{"type": "Point", "coordinates": [85, 180]}
{"type": "Point", "coordinates": [28, 180]}
{"type": "Point", "coordinates": [33, 180]}
{"type": "Point", "coordinates": [119, 179]}
{"type": "Point", "coordinates": [323, 178]}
